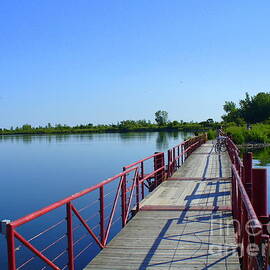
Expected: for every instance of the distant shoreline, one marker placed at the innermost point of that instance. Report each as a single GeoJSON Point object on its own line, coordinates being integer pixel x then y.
{"type": "Point", "coordinates": [86, 131]}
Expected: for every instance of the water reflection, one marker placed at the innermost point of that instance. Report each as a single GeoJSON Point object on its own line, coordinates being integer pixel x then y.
{"type": "Point", "coordinates": [162, 139]}
{"type": "Point", "coordinates": [131, 135]}
{"type": "Point", "coordinates": [27, 139]}
{"type": "Point", "coordinates": [262, 156]}
{"type": "Point", "coordinates": [38, 170]}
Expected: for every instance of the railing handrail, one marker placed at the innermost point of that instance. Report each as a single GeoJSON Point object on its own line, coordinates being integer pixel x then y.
{"type": "Point", "coordinates": [178, 152]}
{"type": "Point", "coordinates": [151, 174]}
{"type": "Point", "coordinates": [127, 194]}
{"type": "Point", "coordinates": [245, 198]}
{"type": "Point", "coordinates": [182, 153]}
{"type": "Point", "coordinates": [60, 203]}
{"type": "Point", "coordinates": [184, 142]}
{"type": "Point", "coordinates": [233, 144]}
{"type": "Point", "coordinates": [142, 160]}
{"type": "Point", "coordinates": [250, 219]}
{"type": "Point", "coordinates": [187, 149]}
{"type": "Point", "coordinates": [159, 153]}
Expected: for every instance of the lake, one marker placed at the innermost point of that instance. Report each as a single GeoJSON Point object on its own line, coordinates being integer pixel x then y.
{"type": "Point", "coordinates": [39, 170]}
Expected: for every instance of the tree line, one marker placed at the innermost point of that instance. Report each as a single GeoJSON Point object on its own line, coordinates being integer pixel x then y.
{"type": "Point", "coordinates": [161, 124]}
{"type": "Point", "coordinates": [248, 122]}
{"type": "Point", "coordinates": [250, 110]}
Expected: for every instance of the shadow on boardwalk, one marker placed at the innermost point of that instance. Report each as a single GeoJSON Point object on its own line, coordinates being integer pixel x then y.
{"type": "Point", "coordinates": [200, 237]}
{"type": "Point", "coordinates": [207, 218]}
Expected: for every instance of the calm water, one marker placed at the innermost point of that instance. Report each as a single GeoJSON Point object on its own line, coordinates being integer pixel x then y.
{"type": "Point", "coordinates": [39, 170]}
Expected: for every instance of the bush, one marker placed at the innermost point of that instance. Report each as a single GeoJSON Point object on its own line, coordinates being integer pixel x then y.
{"type": "Point", "coordinates": [236, 134]}
{"type": "Point", "coordinates": [255, 136]}
{"type": "Point", "coordinates": [211, 134]}
{"type": "Point", "coordinates": [238, 138]}
{"type": "Point", "coordinates": [258, 134]}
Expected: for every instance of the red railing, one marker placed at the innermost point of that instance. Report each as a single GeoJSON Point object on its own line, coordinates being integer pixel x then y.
{"type": "Point", "coordinates": [179, 153]}
{"type": "Point", "coordinates": [151, 173]}
{"type": "Point", "coordinates": [113, 200]}
{"type": "Point", "coordinates": [249, 208]}
{"type": "Point", "coordinates": [105, 223]}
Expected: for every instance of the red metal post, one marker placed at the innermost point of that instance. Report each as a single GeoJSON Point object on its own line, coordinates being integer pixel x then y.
{"type": "Point", "coordinates": [162, 165]}
{"type": "Point", "coordinates": [142, 170]}
{"type": "Point", "coordinates": [169, 164]}
{"type": "Point", "coordinates": [247, 162]}
{"type": "Point", "coordinates": [259, 191]}
{"type": "Point", "coordinates": [142, 176]}
{"type": "Point", "coordinates": [142, 190]}
{"type": "Point", "coordinates": [102, 214]}
{"type": "Point", "coordinates": [259, 202]}
{"type": "Point", "coordinates": [158, 163]}
{"type": "Point", "coordinates": [124, 199]}
{"type": "Point", "coordinates": [70, 237]}
{"type": "Point", "coordinates": [174, 160]}
{"type": "Point", "coordinates": [137, 183]}
{"type": "Point", "coordinates": [11, 248]}
{"type": "Point", "coordinates": [178, 154]}
{"type": "Point", "coordinates": [182, 154]}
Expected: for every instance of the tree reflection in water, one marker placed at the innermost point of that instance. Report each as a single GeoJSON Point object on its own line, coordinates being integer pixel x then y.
{"type": "Point", "coordinates": [262, 155]}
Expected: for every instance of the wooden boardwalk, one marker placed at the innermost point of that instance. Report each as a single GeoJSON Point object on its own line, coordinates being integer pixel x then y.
{"type": "Point", "coordinates": [185, 223]}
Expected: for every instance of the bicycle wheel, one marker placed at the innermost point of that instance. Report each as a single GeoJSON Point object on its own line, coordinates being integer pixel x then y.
{"type": "Point", "coordinates": [217, 148]}
{"type": "Point", "coordinates": [223, 147]}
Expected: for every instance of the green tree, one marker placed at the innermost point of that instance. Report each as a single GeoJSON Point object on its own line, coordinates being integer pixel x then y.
{"type": "Point", "coordinates": [208, 123]}
{"type": "Point", "coordinates": [246, 108]}
{"type": "Point", "coordinates": [251, 109]}
{"type": "Point", "coordinates": [26, 127]}
{"type": "Point", "coordinates": [255, 109]}
{"type": "Point", "coordinates": [161, 117]}
{"type": "Point", "coordinates": [233, 114]}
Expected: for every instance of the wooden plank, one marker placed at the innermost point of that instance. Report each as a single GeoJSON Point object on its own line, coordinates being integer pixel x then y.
{"type": "Point", "coordinates": [185, 223]}
{"type": "Point", "coordinates": [198, 179]}
{"type": "Point", "coordinates": [183, 208]}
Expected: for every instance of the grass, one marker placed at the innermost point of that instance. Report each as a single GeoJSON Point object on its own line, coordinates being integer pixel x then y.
{"type": "Point", "coordinates": [260, 133]}
{"type": "Point", "coordinates": [211, 134]}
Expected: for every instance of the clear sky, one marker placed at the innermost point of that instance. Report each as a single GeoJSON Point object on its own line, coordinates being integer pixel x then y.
{"type": "Point", "coordinates": [98, 61]}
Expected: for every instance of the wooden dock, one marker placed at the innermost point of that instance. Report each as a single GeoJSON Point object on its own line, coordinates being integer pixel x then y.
{"type": "Point", "coordinates": [186, 223]}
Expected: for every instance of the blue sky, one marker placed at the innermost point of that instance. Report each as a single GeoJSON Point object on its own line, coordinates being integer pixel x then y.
{"type": "Point", "coordinates": [104, 61]}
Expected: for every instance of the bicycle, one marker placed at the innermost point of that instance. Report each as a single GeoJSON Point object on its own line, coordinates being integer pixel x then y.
{"type": "Point", "coordinates": [221, 144]}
